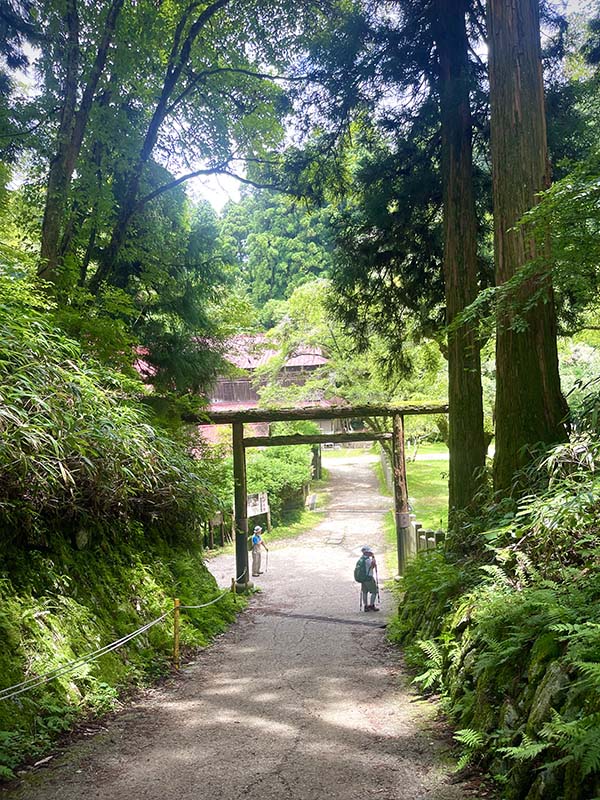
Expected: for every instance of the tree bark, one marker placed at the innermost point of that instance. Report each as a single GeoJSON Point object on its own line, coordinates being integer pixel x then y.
{"type": "Point", "coordinates": [70, 138]}
{"type": "Point", "coordinates": [530, 408]}
{"type": "Point", "coordinates": [466, 436]}
{"type": "Point", "coordinates": [58, 180]}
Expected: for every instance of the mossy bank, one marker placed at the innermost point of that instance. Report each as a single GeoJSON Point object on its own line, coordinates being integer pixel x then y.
{"type": "Point", "coordinates": [57, 606]}
{"type": "Point", "coordinates": [515, 660]}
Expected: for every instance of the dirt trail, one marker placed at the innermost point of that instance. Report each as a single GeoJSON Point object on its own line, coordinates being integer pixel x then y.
{"type": "Point", "coordinates": [301, 700]}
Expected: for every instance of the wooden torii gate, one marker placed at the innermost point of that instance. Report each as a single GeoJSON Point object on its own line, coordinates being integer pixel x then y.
{"type": "Point", "coordinates": [237, 419]}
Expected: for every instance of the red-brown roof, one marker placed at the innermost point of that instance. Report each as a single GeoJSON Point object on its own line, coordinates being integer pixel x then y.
{"type": "Point", "coordinates": [252, 351]}
{"type": "Point", "coordinates": [308, 358]}
{"type": "Point", "coordinates": [249, 352]}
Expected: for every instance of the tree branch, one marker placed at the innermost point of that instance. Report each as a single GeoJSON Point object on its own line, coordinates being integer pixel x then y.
{"type": "Point", "coordinates": [217, 170]}
{"type": "Point", "coordinates": [208, 73]}
{"type": "Point", "coordinates": [249, 182]}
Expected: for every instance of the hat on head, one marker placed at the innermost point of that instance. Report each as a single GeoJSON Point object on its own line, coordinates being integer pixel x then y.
{"type": "Point", "coordinates": [257, 529]}
{"type": "Point", "coordinates": [366, 549]}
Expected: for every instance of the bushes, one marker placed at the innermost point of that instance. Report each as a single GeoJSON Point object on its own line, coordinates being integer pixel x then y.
{"type": "Point", "coordinates": [517, 666]}
{"type": "Point", "coordinates": [74, 448]}
{"type": "Point", "coordinates": [99, 530]}
{"type": "Point", "coordinates": [513, 645]}
{"type": "Point", "coordinates": [282, 472]}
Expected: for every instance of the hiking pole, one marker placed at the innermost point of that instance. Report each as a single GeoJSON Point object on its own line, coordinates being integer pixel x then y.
{"type": "Point", "coordinates": [267, 560]}
{"type": "Point", "coordinates": [377, 584]}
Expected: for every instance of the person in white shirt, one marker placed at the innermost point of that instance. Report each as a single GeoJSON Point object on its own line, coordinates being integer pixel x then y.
{"type": "Point", "coordinates": [257, 543]}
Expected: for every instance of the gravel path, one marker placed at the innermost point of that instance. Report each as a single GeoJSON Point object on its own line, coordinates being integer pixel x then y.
{"type": "Point", "coordinates": [302, 699]}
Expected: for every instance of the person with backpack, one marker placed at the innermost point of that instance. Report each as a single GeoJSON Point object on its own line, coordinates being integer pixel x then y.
{"type": "Point", "coordinates": [364, 573]}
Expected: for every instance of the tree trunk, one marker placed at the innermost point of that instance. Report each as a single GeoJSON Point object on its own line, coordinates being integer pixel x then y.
{"type": "Point", "coordinates": [58, 180]}
{"type": "Point", "coordinates": [529, 405]}
{"type": "Point", "coordinates": [466, 437]}
{"type": "Point", "coordinates": [178, 61]}
{"type": "Point", "coordinates": [70, 138]}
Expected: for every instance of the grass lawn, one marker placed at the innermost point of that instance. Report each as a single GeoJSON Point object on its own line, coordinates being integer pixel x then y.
{"type": "Point", "coordinates": [428, 492]}
{"type": "Point", "coordinates": [428, 448]}
{"type": "Point", "coordinates": [427, 486]}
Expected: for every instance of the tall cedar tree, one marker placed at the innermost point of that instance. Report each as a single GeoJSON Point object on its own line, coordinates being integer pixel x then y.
{"type": "Point", "coordinates": [466, 435]}
{"type": "Point", "coordinates": [529, 405]}
{"type": "Point", "coordinates": [422, 51]}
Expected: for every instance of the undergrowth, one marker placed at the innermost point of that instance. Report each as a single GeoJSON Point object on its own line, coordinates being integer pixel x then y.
{"type": "Point", "coordinates": [61, 605]}
{"type": "Point", "coordinates": [508, 631]}
{"type": "Point", "coordinates": [100, 514]}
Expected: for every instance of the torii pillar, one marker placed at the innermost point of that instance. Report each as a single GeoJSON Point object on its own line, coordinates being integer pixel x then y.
{"type": "Point", "coordinates": [401, 508]}
{"type": "Point", "coordinates": [240, 506]}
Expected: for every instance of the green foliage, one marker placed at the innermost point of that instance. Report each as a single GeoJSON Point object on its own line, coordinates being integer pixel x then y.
{"type": "Point", "coordinates": [199, 96]}
{"type": "Point", "coordinates": [434, 659]}
{"type": "Point", "coordinates": [428, 575]}
{"type": "Point", "coordinates": [472, 743]}
{"type": "Point", "coordinates": [74, 448]}
{"type": "Point", "coordinates": [387, 272]}
{"type": "Point", "coordinates": [283, 472]}
{"type": "Point", "coordinates": [276, 244]}
{"type": "Point", "coordinates": [100, 515]}
{"type": "Point", "coordinates": [510, 634]}
{"type": "Point", "coordinates": [358, 378]}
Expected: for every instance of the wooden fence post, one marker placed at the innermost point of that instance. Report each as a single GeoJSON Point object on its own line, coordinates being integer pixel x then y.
{"type": "Point", "coordinates": [176, 633]}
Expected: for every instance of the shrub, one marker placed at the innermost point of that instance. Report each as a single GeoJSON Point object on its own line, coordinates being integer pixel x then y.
{"type": "Point", "coordinates": [74, 446]}
{"type": "Point", "coordinates": [513, 642]}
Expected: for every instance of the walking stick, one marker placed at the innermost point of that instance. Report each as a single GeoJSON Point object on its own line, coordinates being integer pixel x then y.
{"type": "Point", "coordinates": [267, 560]}
{"type": "Point", "coordinates": [377, 584]}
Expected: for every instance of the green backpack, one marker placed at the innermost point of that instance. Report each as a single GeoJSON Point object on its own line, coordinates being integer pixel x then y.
{"type": "Point", "coordinates": [360, 570]}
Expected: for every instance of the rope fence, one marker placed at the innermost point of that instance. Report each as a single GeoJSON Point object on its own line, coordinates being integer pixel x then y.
{"type": "Point", "coordinates": [31, 683]}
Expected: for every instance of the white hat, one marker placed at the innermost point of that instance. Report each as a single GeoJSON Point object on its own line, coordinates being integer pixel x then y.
{"type": "Point", "coordinates": [257, 529]}
{"type": "Point", "coordinates": [366, 549]}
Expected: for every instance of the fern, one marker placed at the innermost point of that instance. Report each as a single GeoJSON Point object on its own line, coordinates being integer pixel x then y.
{"type": "Point", "coordinates": [432, 650]}
{"type": "Point", "coordinates": [525, 571]}
{"type": "Point", "coordinates": [498, 575]}
{"type": "Point", "coordinates": [526, 751]}
{"type": "Point", "coordinates": [591, 670]}
{"type": "Point", "coordinates": [579, 740]}
{"type": "Point", "coordinates": [432, 677]}
{"type": "Point", "coordinates": [472, 742]}
{"type": "Point", "coordinates": [470, 738]}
